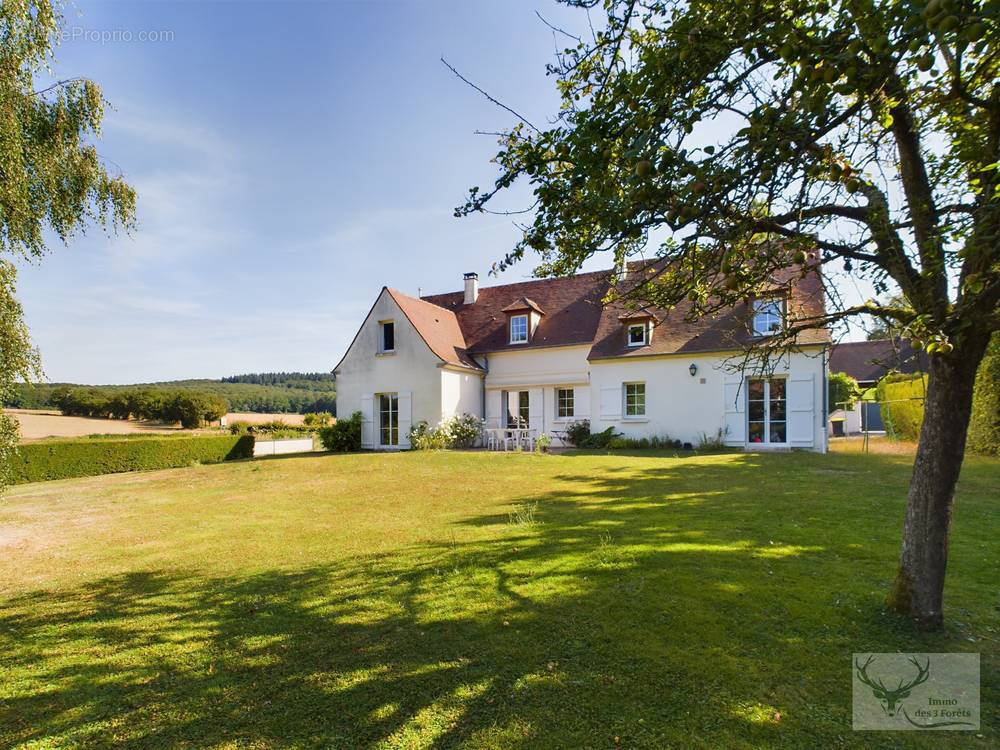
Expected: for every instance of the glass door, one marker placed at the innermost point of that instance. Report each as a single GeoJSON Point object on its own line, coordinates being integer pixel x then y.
{"type": "Point", "coordinates": [388, 410]}
{"type": "Point", "coordinates": [766, 412]}
{"type": "Point", "coordinates": [517, 408]}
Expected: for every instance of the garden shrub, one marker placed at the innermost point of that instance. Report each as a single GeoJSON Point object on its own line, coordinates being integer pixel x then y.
{"type": "Point", "coordinates": [460, 431]}
{"type": "Point", "coordinates": [842, 391]}
{"type": "Point", "coordinates": [984, 426]}
{"type": "Point", "coordinates": [901, 397]}
{"type": "Point", "coordinates": [344, 436]}
{"type": "Point", "coordinates": [423, 437]}
{"type": "Point", "coordinates": [62, 459]}
{"type": "Point", "coordinates": [578, 432]}
{"type": "Point", "coordinates": [313, 420]}
{"type": "Point", "coordinates": [601, 439]}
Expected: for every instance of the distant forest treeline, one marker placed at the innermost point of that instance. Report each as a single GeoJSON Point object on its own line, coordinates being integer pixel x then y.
{"type": "Point", "coordinates": [270, 392]}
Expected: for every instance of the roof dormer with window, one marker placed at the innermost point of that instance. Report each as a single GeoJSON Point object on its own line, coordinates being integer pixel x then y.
{"type": "Point", "coordinates": [523, 317]}
{"type": "Point", "coordinates": [638, 327]}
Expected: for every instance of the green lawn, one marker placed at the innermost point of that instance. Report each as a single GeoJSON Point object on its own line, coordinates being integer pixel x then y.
{"type": "Point", "coordinates": [475, 600]}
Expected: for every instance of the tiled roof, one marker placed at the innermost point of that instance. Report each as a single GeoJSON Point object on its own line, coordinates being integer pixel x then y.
{"type": "Point", "coordinates": [438, 327]}
{"type": "Point", "coordinates": [574, 314]}
{"type": "Point", "coordinates": [572, 307]}
{"type": "Point", "coordinates": [868, 361]}
{"type": "Point", "coordinates": [727, 330]}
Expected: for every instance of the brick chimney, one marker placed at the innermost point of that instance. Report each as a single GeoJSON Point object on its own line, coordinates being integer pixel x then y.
{"type": "Point", "coordinates": [471, 287]}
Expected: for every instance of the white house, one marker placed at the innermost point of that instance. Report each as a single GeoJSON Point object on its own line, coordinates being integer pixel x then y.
{"type": "Point", "coordinates": [550, 353]}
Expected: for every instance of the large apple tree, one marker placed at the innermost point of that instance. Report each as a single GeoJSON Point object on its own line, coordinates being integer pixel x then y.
{"type": "Point", "coordinates": [52, 180]}
{"type": "Point", "coordinates": [738, 137]}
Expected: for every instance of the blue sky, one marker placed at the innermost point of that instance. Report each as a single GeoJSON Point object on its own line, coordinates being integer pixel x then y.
{"type": "Point", "coordinates": [290, 159]}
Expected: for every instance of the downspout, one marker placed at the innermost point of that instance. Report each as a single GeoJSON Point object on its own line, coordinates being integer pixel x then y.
{"type": "Point", "coordinates": [482, 400]}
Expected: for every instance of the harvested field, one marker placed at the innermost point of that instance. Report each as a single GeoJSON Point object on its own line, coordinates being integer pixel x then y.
{"type": "Point", "coordinates": [41, 424]}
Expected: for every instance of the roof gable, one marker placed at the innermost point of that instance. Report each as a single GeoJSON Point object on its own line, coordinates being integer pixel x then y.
{"type": "Point", "coordinates": [438, 328]}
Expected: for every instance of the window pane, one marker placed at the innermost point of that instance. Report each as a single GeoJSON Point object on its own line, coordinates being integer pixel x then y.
{"type": "Point", "coordinates": [388, 337]}
{"type": "Point", "coordinates": [523, 407]}
{"type": "Point", "coordinates": [755, 409]}
{"type": "Point", "coordinates": [564, 402]}
{"type": "Point", "coordinates": [777, 432]}
{"type": "Point", "coordinates": [777, 388]}
{"type": "Point", "coordinates": [637, 334]}
{"type": "Point", "coordinates": [756, 432]}
{"type": "Point", "coordinates": [777, 410]}
{"type": "Point", "coordinates": [519, 328]}
{"type": "Point", "coordinates": [756, 389]}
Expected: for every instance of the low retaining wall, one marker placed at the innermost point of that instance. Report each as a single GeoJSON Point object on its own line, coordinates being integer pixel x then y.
{"type": "Point", "coordinates": [278, 447]}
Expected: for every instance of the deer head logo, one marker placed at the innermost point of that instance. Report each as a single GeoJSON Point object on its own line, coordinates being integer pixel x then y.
{"type": "Point", "coordinates": [891, 698]}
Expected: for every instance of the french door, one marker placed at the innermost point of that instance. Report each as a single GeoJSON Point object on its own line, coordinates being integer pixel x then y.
{"type": "Point", "coordinates": [766, 411]}
{"type": "Point", "coordinates": [388, 419]}
{"type": "Point", "coordinates": [518, 411]}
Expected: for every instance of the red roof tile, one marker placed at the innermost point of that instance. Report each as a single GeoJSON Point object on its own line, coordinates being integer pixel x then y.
{"type": "Point", "coordinates": [438, 327]}
{"type": "Point", "coordinates": [574, 314]}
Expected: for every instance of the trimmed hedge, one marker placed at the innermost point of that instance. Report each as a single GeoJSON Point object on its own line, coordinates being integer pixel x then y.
{"type": "Point", "coordinates": [902, 418]}
{"type": "Point", "coordinates": [62, 459]}
{"type": "Point", "coordinates": [984, 427]}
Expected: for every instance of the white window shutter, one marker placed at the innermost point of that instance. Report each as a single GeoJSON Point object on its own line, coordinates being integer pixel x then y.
{"type": "Point", "coordinates": [801, 410]}
{"type": "Point", "coordinates": [734, 394]}
{"type": "Point", "coordinates": [535, 409]}
{"type": "Point", "coordinates": [368, 420]}
{"type": "Point", "coordinates": [494, 410]}
{"type": "Point", "coordinates": [404, 401]}
{"type": "Point", "coordinates": [581, 403]}
{"type": "Point", "coordinates": [611, 402]}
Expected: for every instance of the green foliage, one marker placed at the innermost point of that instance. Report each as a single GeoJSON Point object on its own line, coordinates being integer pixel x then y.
{"type": "Point", "coordinates": [190, 408]}
{"type": "Point", "coordinates": [984, 428]}
{"type": "Point", "coordinates": [739, 143]}
{"type": "Point", "coordinates": [295, 396]}
{"type": "Point", "coordinates": [462, 430]}
{"type": "Point", "coordinates": [313, 419]}
{"type": "Point", "coordinates": [601, 439]}
{"type": "Point", "coordinates": [902, 403]}
{"type": "Point", "coordinates": [18, 360]}
{"type": "Point", "coordinates": [543, 443]}
{"type": "Point", "coordinates": [344, 436]}
{"type": "Point", "coordinates": [276, 429]}
{"type": "Point", "coordinates": [842, 391]}
{"type": "Point", "coordinates": [51, 178]}
{"type": "Point", "coordinates": [713, 443]}
{"type": "Point", "coordinates": [423, 437]}
{"type": "Point", "coordinates": [578, 432]}
{"type": "Point", "coordinates": [61, 459]}
{"type": "Point", "coordinates": [459, 431]}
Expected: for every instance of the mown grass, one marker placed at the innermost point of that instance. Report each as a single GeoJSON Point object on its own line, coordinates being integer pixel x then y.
{"type": "Point", "coordinates": [475, 600]}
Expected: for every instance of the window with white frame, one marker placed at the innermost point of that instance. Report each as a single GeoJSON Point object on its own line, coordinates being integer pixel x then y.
{"type": "Point", "coordinates": [637, 334]}
{"type": "Point", "coordinates": [635, 399]}
{"type": "Point", "coordinates": [387, 337]}
{"type": "Point", "coordinates": [768, 316]}
{"type": "Point", "coordinates": [518, 329]}
{"type": "Point", "coordinates": [564, 403]}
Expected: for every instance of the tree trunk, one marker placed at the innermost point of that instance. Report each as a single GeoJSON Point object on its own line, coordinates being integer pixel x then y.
{"type": "Point", "coordinates": [919, 587]}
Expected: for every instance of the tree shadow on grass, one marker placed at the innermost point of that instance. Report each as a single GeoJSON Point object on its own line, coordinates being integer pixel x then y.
{"type": "Point", "coordinates": [695, 605]}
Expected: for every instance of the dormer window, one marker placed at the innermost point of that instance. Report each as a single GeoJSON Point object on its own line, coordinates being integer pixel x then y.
{"type": "Point", "coordinates": [387, 337]}
{"type": "Point", "coordinates": [518, 329]}
{"type": "Point", "coordinates": [637, 334]}
{"type": "Point", "coordinates": [768, 316]}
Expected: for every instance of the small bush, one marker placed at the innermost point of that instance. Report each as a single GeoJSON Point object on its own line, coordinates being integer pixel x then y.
{"type": "Point", "coordinates": [578, 432]}
{"type": "Point", "coordinates": [462, 430]}
{"type": "Point", "coordinates": [62, 459]}
{"type": "Point", "coordinates": [543, 443]}
{"type": "Point", "coordinates": [344, 436]}
{"type": "Point", "coordinates": [314, 420]}
{"type": "Point", "coordinates": [426, 438]}
{"type": "Point", "coordinates": [601, 439]}
{"type": "Point", "coordinates": [716, 442]}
